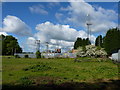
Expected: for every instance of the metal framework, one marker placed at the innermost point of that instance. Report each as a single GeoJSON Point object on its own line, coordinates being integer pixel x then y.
{"type": "Point", "coordinates": [37, 42]}
{"type": "Point", "coordinates": [47, 45]}
{"type": "Point", "coordinates": [88, 23]}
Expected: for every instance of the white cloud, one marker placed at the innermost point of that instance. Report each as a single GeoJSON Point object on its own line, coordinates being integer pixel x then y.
{"type": "Point", "coordinates": [59, 34]}
{"type": "Point", "coordinates": [52, 4]}
{"type": "Point", "coordinates": [101, 19]}
{"type": "Point", "coordinates": [30, 43]}
{"type": "Point", "coordinates": [48, 30]}
{"type": "Point", "coordinates": [59, 16]}
{"type": "Point", "coordinates": [39, 9]}
{"type": "Point", "coordinates": [3, 33]}
{"type": "Point", "coordinates": [13, 24]}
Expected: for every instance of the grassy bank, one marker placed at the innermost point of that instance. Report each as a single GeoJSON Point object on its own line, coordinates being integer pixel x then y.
{"type": "Point", "coordinates": [35, 72]}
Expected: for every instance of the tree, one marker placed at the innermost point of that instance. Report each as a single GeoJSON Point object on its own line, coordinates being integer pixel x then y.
{"type": "Point", "coordinates": [38, 54]}
{"type": "Point", "coordinates": [99, 41]}
{"type": "Point", "coordinates": [81, 42]}
{"type": "Point", "coordinates": [10, 45]}
{"type": "Point", "coordinates": [88, 41]}
{"type": "Point", "coordinates": [112, 41]}
{"type": "Point", "coordinates": [77, 43]}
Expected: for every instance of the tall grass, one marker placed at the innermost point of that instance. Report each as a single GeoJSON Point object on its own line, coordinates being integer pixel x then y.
{"type": "Point", "coordinates": [56, 70]}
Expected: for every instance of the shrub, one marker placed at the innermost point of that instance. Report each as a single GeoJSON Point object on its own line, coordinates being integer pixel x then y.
{"type": "Point", "coordinates": [84, 48]}
{"type": "Point", "coordinates": [25, 81]}
{"type": "Point", "coordinates": [38, 54]}
{"type": "Point", "coordinates": [26, 56]}
{"type": "Point", "coordinates": [17, 56]}
{"type": "Point", "coordinates": [37, 67]}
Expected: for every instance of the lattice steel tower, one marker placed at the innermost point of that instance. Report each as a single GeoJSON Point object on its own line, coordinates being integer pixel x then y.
{"type": "Point", "coordinates": [88, 23]}
{"type": "Point", "coordinates": [37, 42]}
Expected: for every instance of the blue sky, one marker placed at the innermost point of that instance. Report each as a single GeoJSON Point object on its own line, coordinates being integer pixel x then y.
{"type": "Point", "coordinates": [44, 20]}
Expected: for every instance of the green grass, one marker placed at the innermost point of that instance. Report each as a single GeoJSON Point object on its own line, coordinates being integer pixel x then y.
{"type": "Point", "coordinates": [42, 71]}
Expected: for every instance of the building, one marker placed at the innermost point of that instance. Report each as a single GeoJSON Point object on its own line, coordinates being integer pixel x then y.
{"type": "Point", "coordinates": [116, 56]}
{"type": "Point", "coordinates": [74, 51]}
{"type": "Point", "coordinates": [22, 55]}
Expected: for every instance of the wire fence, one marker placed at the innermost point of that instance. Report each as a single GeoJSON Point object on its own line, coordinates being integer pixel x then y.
{"type": "Point", "coordinates": [48, 55]}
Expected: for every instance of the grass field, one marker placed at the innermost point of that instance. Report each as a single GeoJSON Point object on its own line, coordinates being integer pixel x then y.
{"type": "Point", "coordinates": [58, 72]}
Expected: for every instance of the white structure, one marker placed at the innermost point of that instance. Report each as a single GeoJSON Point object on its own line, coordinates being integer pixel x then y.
{"type": "Point", "coordinates": [116, 56]}
{"type": "Point", "coordinates": [22, 55]}
{"type": "Point", "coordinates": [119, 55]}
{"type": "Point", "coordinates": [48, 55]}
{"type": "Point", "coordinates": [59, 55]}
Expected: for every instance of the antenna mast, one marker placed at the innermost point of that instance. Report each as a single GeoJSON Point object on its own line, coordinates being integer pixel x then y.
{"type": "Point", "coordinates": [37, 42]}
{"type": "Point", "coordinates": [88, 23]}
{"type": "Point", "coordinates": [47, 47]}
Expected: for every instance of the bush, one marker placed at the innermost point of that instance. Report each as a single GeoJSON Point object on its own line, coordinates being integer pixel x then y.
{"type": "Point", "coordinates": [37, 67]}
{"type": "Point", "coordinates": [25, 81]}
{"type": "Point", "coordinates": [17, 56]}
{"type": "Point", "coordinates": [84, 48]}
{"type": "Point", "coordinates": [26, 56]}
{"type": "Point", "coordinates": [38, 54]}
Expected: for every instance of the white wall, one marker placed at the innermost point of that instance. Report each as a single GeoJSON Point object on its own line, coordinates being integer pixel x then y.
{"type": "Point", "coordinates": [23, 55]}
{"type": "Point", "coordinates": [119, 56]}
{"type": "Point", "coordinates": [116, 56]}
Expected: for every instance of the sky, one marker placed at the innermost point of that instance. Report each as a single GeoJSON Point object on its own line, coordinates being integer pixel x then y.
{"type": "Point", "coordinates": [59, 23]}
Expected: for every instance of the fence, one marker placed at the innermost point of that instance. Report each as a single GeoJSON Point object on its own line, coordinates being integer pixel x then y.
{"type": "Point", "coordinates": [49, 55]}
{"type": "Point", "coordinates": [59, 55]}
{"type": "Point", "coordinates": [22, 55]}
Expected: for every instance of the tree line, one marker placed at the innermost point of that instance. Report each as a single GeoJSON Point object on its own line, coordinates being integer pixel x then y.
{"type": "Point", "coordinates": [10, 45]}
{"type": "Point", "coordinates": [81, 42]}
{"type": "Point", "coordinates": [110, 42]}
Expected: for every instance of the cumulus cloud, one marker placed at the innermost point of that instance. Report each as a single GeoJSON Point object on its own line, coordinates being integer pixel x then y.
{"type": "Point", "coordinates": [59, 35]}
{"type": "Point", "coordinates": [48, 30]}
{"type": "Point", "coordinates": [30, 43]}
{"type": "Point", "coordinates": [39, 9]}
{"type": "Point", "coordinates": [3, 33]}
{"type": "Point", "coordinates": [101, 19]}
{"type": "Point", "coordinates": [13, 24]}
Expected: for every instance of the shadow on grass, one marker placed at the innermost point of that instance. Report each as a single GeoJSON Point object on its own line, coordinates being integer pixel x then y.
{"type": "Point", "coordinates": [98, 85]}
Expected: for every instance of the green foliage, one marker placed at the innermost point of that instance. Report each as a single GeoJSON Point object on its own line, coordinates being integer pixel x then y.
{"type": "Point", "coordinates": [38, 54]}
{"type": "Point", "coordinates": [37, 67]}
{"type": "Point", "coordinates": [98, 48]}
{"type": "Point", "coordinates": [10, 45]}
{"type": "Point", "coordinates": [58, 70]}
{"type": "Point", "coordinates": [62, 70]}
{"type": "Point", "coordinates": [84, 48]}
{"type": "Point", "coordinates": [25, 81]}
{"type": "Point", "coordinates": [99, 41]}
{"type": "Point", "coordinates": [26, 56]}
{"type": "Point", "coordinates": [17, 56]}
{"type": "Point", "coordinates": [81, 42]}
{"type": "Point", "coordinates": [112, 40]}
